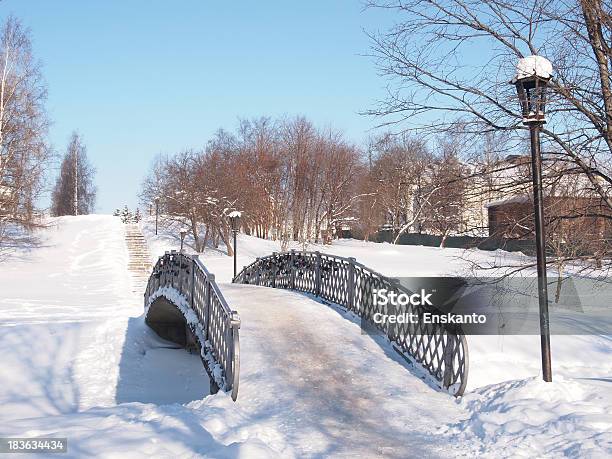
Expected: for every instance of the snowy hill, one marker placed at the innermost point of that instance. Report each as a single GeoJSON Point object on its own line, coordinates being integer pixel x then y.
{"type": "Point", "coordinates": [78, 362]}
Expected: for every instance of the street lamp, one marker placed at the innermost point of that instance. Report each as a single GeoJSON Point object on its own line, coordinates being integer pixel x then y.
{"type": "Point", "coordinates": [532, 76]}
{"type": "Point", "coordinates": [183, 233]}
{"type": "Point", "coordinates": [156, 212]}
{"type": "Point", "coordinates": [234, 218]}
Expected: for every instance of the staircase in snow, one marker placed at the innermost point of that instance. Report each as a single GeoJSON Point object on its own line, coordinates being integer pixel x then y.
{"type": "Point", "coordinates": [139, 264]}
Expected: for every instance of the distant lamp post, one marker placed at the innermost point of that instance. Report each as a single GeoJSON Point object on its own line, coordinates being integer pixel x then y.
{"type": "Point", "coordinates": [234, 218]}
{"type": "Point", "coordinates": [156, 213]}
{"type": "Point", "coordinates": [183, 234]}
{"type": "Point", "coordinates": [532, 76]}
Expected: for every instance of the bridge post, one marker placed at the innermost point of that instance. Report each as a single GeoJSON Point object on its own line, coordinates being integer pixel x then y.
{"type": "Point", "coordinates": [318, 274]}
{"type": "Point", "coordinates": [274, 269]}
{"type": "Point", "coordinates": [235, 354]}
{"type": "Point", "coordinates": [209, 292]}
{"type": "Point", "coordinates": [447, 356]}
{"type": "Point", "coordinates": [351, 284]}
{"type": "Point", "coordinates": [292, 277]}
{"type": "Point", "coordinates": [173, 256]}
{"type": "Point", "coordinates": [194, 259]}
{"type": "Point", "coordinates": [258, 276]}
{"type": "Point", "coordinates": [165, 270]}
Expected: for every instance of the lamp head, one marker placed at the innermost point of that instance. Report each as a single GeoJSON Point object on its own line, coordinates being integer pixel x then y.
{"type": "Point", "coordinates": [531, 80]}
{"type": "Point", "coordinates": [234, 219]}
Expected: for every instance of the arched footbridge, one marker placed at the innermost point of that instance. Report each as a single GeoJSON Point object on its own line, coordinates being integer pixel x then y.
{"type": "Point", "coordinates": [184, 304]}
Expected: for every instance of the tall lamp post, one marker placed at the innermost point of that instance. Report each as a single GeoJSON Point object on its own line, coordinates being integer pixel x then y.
{"type": "Point", "coordinates": [156, 212]}
{"type": "Point", "coordinates": [183, 233]}
{"type": "Point", "coordinates": [234, 218]}
{"type": "Point", "coordinates": [532, 76]}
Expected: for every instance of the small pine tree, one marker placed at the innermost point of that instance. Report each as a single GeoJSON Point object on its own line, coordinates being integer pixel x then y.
{"type": "Point", "coordinates": [117, 213]}
{"type": "Point", "coordinates": [137, 216]}
{"type": "Point", "coordinates": [126, 215]}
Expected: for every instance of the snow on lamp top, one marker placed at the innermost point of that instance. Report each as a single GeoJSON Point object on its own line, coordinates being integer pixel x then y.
{"type": "Point", "coordinates": [533, 66]}
{"type": "Point", "coordinates": [235, 214]}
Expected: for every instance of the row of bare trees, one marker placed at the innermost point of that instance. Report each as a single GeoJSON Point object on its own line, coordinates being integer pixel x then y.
{"type": "Point", "coordinates": [412, 187]}
{"type": "Point", "coordinates": [295, 182]}
{"type": "Point", "coordinates": [448, 63]}
{"type": "Point", "coordinates": [290, 180]}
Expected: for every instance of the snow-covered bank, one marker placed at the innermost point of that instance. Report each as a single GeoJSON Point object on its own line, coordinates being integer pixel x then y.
{"type": "Point", "coordinates": [570, 417]}
{"type": "Point", "coordinates": [311, 384]}
{"type": "Point", "coordinates": [78, 360]}
{"type": "Point", "coordinates": [78, 274]}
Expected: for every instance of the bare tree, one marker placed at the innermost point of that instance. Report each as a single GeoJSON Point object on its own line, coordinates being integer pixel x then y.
{"type": "Point", "coordinates": [24, 155]}
{"type": "Point", "coordinates": [428, 56]}
{"type": "Point", "coordinates": [443, 207]}
{"type": "Point", "coordinates": [398, 183]}
{"type": "Point", "coordinates": [449, 61]}
{"type": "Point", "coordinates": [74, 192]}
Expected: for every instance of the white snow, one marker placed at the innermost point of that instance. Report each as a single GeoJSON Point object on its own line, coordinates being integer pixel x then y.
{"type": "Point", "coordinates": [79, 362]}
{"type": "Point", "coordinates": [532, 418]}
{"type": "Point", "coordinates": [513, 200]}
{"type": "Point", "coordinates": [234, 214]}
{"type": "Point", "coordinates": [533, 66]}
{"type": "Point", "coordinates": [192, 319]}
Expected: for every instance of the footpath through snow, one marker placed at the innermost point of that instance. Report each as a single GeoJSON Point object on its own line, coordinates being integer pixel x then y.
{"type": "Point", "coordinates": [78, 362]}
{"type": "Point", "coordinates": [323, 389]}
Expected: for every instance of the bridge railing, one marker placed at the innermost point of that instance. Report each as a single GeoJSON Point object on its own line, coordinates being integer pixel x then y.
{"type": "Point", "coordinates": [441, 349]}
{"type": "Point", "coordinates": [211, 320]}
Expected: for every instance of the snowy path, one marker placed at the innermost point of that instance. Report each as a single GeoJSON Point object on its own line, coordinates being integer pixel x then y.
{"type": "Point", "coordinates": [334, 390]}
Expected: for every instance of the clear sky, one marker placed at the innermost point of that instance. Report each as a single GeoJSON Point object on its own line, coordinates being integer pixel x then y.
{"type": "Point", "coordinates": [142, 77]}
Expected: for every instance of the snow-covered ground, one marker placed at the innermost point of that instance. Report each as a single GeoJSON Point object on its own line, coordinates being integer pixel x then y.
{"type": "Point", "coordinates": [499, 365]}
{"type": "Point", "coordinates": [78, 362]}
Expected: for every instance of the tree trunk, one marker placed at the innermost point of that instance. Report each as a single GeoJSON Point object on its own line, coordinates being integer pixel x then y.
{"type": "Point", "coordinates": [194, 232]}
{"type": "Point", "coordinates": [443, 241]}
{"type": "Point", "coordinates": [225, 237]}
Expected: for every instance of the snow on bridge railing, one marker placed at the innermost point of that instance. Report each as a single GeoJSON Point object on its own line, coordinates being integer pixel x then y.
{"type": "Point", "coordinates": [441, 349]}
{"type": "Point", "coordinates": [185, 282]}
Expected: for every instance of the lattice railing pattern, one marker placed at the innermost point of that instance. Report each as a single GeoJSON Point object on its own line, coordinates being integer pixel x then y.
{"type": "Point", "coordinates": [441, 349]}
{"type": "Point", "coordinates": [218, 324]}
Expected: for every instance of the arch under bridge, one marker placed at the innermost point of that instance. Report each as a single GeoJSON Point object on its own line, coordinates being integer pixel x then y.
{"type": "Point", "coordinates": [184, 304]}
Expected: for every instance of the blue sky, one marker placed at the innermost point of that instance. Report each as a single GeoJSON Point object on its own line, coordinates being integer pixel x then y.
{"type": "Point", "coordinates": [137, 78]}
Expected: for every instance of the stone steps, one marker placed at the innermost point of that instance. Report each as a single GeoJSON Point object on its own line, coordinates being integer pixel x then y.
{"type": "Point", "coordinates": [139, 263]}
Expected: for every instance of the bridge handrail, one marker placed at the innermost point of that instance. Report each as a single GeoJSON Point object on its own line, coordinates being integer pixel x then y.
{"type": "Point", "coordinates": [441, 349]}
{"type": "Point", "coordinates": [217, 324]}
